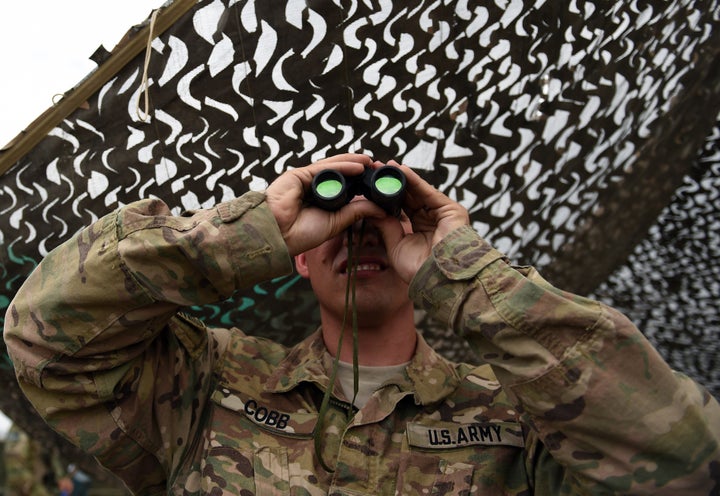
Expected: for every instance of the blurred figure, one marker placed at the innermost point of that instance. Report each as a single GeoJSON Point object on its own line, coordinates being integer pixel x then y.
{"type": "Point", "coordinates": [81, 481]}
{"type": "Point", "coordinates": [30, 469]}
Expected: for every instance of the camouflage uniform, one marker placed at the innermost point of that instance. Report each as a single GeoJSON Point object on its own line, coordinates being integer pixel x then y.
{"type": "Point", "coordinates": [27, 465]}
{"type": "Point", "coordinates": [573, 400]}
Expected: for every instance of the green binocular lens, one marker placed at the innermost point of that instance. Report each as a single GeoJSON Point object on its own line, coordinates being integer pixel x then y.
{"type": "Point", "coordinates": [388, 185]}
{"type": "Point", "coordinates": [329, 188]}
{"type": "Point", "coordinates": [385, 186]}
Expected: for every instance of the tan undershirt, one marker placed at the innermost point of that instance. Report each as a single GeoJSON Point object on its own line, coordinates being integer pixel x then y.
{"type": "Point", "coordinates": [369, 379]}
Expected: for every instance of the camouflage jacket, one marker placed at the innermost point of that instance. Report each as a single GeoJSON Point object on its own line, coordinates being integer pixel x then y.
{"type": "Point", "coordinates": [31, 469]}
{"type": "Point", "coordinates": [573, 399]}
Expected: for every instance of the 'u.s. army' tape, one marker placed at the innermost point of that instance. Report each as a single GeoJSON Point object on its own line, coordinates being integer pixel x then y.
{"type": "Point", "coordinates": [450, 435]}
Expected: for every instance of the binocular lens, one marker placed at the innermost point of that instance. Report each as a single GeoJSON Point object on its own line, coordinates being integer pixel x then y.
{"type": "Point", "coordinates": [329, 188]}
{"type": "Point", "coordinates": [388, 185]}
{"type": "Point", "coordinates": [385, 186]}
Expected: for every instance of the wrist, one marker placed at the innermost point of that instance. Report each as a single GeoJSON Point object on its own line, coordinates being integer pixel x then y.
{"type": "Point", "coordinates": [458, 257]}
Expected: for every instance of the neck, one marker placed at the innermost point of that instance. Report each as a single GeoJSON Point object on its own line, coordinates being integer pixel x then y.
{"type": "Point", "coordinates": [381, 342]}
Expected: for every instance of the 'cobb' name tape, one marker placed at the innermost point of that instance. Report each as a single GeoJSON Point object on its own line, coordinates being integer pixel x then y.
{"type": "Point", "coordinates": [298, 424]}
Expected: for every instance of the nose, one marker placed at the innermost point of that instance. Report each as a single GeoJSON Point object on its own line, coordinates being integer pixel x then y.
{"type": "Point", "coordinates": [364, 233]}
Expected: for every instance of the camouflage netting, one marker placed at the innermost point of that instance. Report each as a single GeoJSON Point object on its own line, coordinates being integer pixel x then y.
{"type": "Point", "coordinates": [582, 136]}
{"type": "Point", "coordinates": [670, 285]}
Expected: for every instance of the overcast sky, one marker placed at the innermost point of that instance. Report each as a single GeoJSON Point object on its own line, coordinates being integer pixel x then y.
{"type": "Point", "coordinates": [45, 47]}
{"type": "Point", "coordinates": [44, 50]}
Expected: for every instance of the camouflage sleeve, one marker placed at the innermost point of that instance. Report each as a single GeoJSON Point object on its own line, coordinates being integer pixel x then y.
{"type": "Point", "coordinates": [608, 415]}
{"type": "Point", "coordinates": [96, 338]}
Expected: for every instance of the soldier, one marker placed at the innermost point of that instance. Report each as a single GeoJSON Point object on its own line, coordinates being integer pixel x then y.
{"type": "Point", "coordinates": [572, 398]}
{"type": "Point", "coordinates": [30, 468]}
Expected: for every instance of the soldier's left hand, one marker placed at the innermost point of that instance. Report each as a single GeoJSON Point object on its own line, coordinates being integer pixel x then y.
{"type": "Point", "coordinates": [430, 216]}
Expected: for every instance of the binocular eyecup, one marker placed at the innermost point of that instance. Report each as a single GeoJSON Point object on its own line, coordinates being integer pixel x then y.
{"type": "Point", "coordinates": [384, 186]}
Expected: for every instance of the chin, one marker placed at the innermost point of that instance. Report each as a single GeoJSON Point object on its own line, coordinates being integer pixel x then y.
{"type": "Point", "coordinates": [376, 310]}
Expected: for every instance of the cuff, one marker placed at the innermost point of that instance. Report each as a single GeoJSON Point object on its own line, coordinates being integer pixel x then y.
{"type": "Point", "coordinates": [265, 253]}
{"type": "Point", "coordinates": [460, 256]}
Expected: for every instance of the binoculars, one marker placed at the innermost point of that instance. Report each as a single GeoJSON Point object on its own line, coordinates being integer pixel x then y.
{"type": "Point", "coordinates": [384, 186]}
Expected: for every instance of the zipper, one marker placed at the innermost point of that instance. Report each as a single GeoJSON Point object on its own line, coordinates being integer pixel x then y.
{"type": "Point", "coordinates": [343, 405]}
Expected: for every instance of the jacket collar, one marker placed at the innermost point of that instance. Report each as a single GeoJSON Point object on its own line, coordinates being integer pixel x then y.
{"type": "Point", "coordinates": [428, 376]}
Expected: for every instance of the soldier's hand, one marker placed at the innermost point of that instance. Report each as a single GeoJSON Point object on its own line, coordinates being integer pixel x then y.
{"type": "Point", "coordinates": [431, 216]}
{"type": "Point", "coordinates": [304, 227]}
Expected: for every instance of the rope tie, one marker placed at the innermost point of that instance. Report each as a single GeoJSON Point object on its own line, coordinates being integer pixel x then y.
{"type": "Point", "coordinates": [144, 115]}
{"type": "Point", "coordinates": [349, 304]}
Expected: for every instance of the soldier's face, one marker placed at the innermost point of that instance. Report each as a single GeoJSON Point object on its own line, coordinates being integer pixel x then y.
{"type": "Point", "coordinates": [378, 288]}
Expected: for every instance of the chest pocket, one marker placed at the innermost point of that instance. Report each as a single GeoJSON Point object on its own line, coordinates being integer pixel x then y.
{"type": "Point", "coordinates": [230, 472]}
{"type": "Point", "coordinates": [420, 472]}
{"type": "Point", "coordinates": [447, 458]}
{"type": "Point", "coordinates": [256, 447]}
{"type": "Point", "coordinates": [252, 446]}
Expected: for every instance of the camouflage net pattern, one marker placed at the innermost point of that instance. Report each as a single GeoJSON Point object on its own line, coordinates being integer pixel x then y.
{"type": "Point", "coordinates": [582, 136]}
{"type": "Point", "coordinates": [670, 286]}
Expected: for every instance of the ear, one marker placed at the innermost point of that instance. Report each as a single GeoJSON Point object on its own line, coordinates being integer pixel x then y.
{"type": "Point", "coordinates": [301, 265]}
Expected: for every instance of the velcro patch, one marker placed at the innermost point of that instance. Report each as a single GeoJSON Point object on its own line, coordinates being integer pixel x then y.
{"type": "Point", "coordinates": [449, 435]}
{"type": "Point", "coordinates": [289, 423]}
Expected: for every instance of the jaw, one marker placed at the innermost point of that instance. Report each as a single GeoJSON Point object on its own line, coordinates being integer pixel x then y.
{"type": "Point", "coordinates": [386, 334]}
{"type": "Point", "coordinates": [377, 294]}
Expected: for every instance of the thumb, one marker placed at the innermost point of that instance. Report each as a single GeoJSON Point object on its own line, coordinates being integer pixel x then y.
{"type": "Point", "coordinates": [358, 210]}
{"type": "Point", "coordinates": [406, 251]}
{"type": "Point", "coordinates": [351, 213]}
{"type": "Point", "coordinates": [392, 232]}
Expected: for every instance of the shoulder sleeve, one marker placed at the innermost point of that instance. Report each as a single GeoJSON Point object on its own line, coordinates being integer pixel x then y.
{"type": "Point", "coordinates": [96, 338]}
{"type": "Point", "coordinates": [603, 402]}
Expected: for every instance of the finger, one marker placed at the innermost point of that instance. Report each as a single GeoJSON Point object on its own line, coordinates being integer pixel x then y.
{"type": "Point", "coordinates": [344, 160]}
{"type": "Point", "coordinates": [355, 211]}
{"type": "Point", "coordinates": [351, 157]}
{"type": "Point", "coordinates": [349, 164]}
{"type": "Point", "coordinates": [417, 186]}
{"type": "Point", "coordinates": [406, 251]}
{"type": "Point", "coordinates": [417, 191]}
{"type": "Point", "coordinates": [330, 224]}
{"type": "Point", "coordinates": [391, 230]}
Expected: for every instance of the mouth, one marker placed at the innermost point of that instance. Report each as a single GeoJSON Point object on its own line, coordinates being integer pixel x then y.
{"type": "Point", "coordinates": [364, 266]}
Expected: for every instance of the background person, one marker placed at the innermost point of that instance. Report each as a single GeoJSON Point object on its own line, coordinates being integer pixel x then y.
{"type": "Point", "coordinates": [30, 469]}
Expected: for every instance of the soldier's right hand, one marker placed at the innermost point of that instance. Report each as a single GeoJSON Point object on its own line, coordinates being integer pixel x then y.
{"type": "Point", "coordinates": [303, 226]}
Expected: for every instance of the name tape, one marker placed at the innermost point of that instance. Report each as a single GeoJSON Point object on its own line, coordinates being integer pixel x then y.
{"type": "Point", "coordinates": [447, 435]}
{"type": "Point", "coordinates": [297, 423]}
